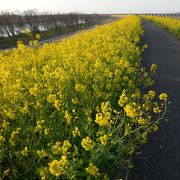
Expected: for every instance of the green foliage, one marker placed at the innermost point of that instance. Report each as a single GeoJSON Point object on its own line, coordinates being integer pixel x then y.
{"type": "Point", "coordinates": [76, 109]}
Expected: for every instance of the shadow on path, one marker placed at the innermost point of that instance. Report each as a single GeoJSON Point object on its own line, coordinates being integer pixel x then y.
{"type": "Point", "coordinates": [160, 157]}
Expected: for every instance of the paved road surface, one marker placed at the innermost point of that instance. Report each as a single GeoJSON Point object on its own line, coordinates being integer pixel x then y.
{"type": "Point", "coordinates": [160, 157]}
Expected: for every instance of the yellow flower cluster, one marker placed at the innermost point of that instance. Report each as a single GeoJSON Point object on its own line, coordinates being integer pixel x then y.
{"type": "Point", "coordinates": [123, 99]}
{"type": "Point", "coordinates": [14, 135]}
{"type": "Point", "coordinates": [43, 171]}
{"type": "Point", "coordinates": [6, 172]}
{"type": "Point", "coordinates": [87, 143]}
{"type": "Point", "coordinates": [76, 132]}
{"type": "Point", "coordinates": [27, 31]}
{"type": "Point", "coordinates": [56, 148]}
{"type": "Point", "coordinates": [103, 119]}
{"type": "Point", "coordinates": [93, 170]}
{"type": "Point", "coordinates": [67, 117]}
{"type": "Point", "coordinates": [103, 139]}
{"type": "Point", "coordinates": [76, 102]}
{"type": "Point", "coordinates": [66, 146]}
{"type": "Point", "coordinates": [57, 167]}
{"type": "Point", "coordinates": [42, 153]}
{"type": "Point", "coordinates": [39, 125]}
{"type": "Point", "coordinates": [153, 68]}
{"type": "Point", "coordinates": [130, 111]}
{"type": "Point", "coordinates": [142, 121]}
{"type": "Point", "coordinates": [80, 88]}
{"type": "Point", "coordinates": [163, 96]}
{"type": "Point", "coordinates": [25, 152]}
{"type": "Point", "coordinates": [1, 138]}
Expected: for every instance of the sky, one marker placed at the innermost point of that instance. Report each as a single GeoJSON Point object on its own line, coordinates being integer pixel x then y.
{"type": "Point", "coordinates": [93, 6]}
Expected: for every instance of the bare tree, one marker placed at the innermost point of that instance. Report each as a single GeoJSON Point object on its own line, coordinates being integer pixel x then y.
{"type": "Point", "coordinates": [13, 24]}
{"type": "Point", "coordinates": [31, 18]}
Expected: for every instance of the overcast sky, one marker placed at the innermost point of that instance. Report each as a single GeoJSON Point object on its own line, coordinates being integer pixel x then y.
{"type": "Point", "coordinates": [93, 6]}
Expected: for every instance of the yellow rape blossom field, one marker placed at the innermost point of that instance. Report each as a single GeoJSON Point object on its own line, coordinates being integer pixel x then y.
{"type": "Point", "coordinates": [167, 23]}
{"type": "Point", "coordinates": [77, 109]}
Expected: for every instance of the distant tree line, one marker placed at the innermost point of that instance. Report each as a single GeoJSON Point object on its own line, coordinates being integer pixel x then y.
{"type": "Point", "coordinates": [13, 24]}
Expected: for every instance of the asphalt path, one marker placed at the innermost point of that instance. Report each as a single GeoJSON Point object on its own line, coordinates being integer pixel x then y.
{"type": "Point", "coordinates": [159, 159]}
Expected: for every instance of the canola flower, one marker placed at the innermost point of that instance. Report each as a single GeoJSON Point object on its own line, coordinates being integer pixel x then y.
{"type": "Point", "coordinates": [123, 99]}
{"type": "Point", "coordinates": [14, 134]}
{"type": "Point", "coordinates": [101, 120]}
{"type": "Point", "coordinates": [67, 107]}
{"type": "Point", "coordinates": [39, 125]}
{"type": "Point", "coordinates": [6, 172]}
{"type": "Point", "coordinates": [65, 147]}
{"type": "Point", "coordinates": [43, 171]}
{"type": "Point", "coordinates": [93, 170]}
{"type": "Point", "coordinates": [57, 167]}
{"type": "Point", "coordinates": [130, 111]}
{"type": "Point", "coordinates": [24, 152]}
{"type": "Point", "coordinates": [103, 139]}
{"type": "Point", "coordinates": [76, 132]}
{"type": "Point", "coordinates": [80, 88]}
{"type": "Point", "coordinates": [163, 96]}
{"type": "Point", "coordinates": [142, 121]}
{"type": "Point", "coordinates": [87, 144]}
{"type": "Point", "coordinates": [156, 110]}
{"type": "Point", "coordinates": [56, 148]}
{"type": "Point", "coordinates": [2, 138]}
{"type": "Point", "coordinates": [46, 131]}
{"type": "Point", "coordinates": [153, 68]}
{"type": "Point", "coordinates": [42, 153]}
{"type": "Point", "coordinates": [27, 31]}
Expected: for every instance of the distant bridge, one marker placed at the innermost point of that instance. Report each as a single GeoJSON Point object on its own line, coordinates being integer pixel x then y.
{"type": "Point", "coordinates": [151, 14]}
{"type": "Point", "coordinates": [161, 14]}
